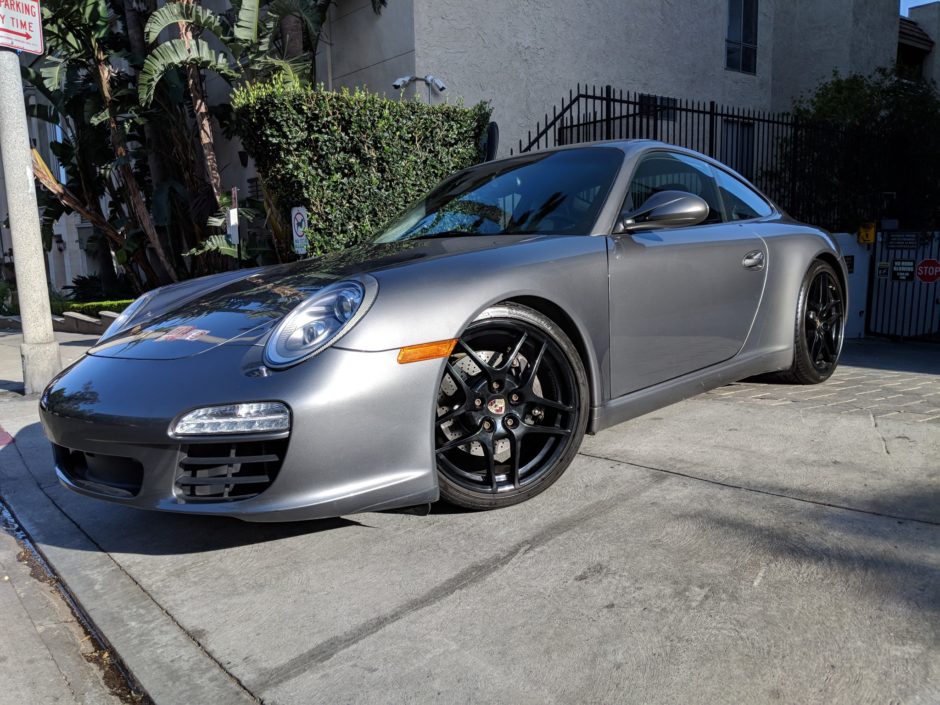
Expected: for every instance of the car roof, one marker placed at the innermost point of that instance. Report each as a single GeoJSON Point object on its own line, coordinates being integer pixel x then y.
{"type": "Point", "coordinates": [630, 147]}
{"type": "Point", "coordinates": [635, 147]}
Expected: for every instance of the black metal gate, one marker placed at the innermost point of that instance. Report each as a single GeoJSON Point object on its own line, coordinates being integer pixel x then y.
{"type": "Point", "coordinates": [905, 285]}
{"type": "Point", "coordinates": [783, 155]}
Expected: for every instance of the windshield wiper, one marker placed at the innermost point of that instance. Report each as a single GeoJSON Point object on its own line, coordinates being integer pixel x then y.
{"type": "Point", "coordinates": [446, 233]}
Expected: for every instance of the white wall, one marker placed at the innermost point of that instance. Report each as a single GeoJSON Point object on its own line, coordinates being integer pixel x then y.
{"type": "Point", "coordinates": [928, 17]}
{"type": "Point", "coordinates": [72, 261]}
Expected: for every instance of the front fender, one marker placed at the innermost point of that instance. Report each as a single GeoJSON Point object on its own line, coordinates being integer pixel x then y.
{"type": "Point", "coordinates": [437, 300]}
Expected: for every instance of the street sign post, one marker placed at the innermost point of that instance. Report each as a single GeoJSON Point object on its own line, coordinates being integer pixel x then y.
{"type": "Point", "coordinates": [21, 29]}
{"type": "Point", "coordinates": [21, 25]}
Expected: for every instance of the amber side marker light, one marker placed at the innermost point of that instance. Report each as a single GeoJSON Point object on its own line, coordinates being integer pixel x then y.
{"type": "Point", "coordinates": [426, 351]}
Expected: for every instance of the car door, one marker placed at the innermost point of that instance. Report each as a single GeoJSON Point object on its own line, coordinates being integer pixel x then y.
{"type": "Point", "coordinates": [681, 299]}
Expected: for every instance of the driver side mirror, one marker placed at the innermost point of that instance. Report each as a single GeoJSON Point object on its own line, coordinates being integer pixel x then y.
{"type": "Point", "coordinates": [665, 209]}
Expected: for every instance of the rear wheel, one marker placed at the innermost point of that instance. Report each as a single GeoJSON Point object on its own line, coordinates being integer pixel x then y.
{"type": "Point", "coordinates": [819, 326]}
{"type": "Point", "coordinates": [512, 409]}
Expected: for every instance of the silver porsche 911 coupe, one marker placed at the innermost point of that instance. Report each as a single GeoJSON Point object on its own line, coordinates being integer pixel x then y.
{"type": "Point", "coordinates": [463, 354]}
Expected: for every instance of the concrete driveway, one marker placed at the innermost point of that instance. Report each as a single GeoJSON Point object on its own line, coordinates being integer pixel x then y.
{"type": "Point", "coordinates": [751, 545]}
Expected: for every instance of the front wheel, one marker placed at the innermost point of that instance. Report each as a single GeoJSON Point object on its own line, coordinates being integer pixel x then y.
{"type": "Point", "coordinates": [819, 326]}
{"type": "Point", "coordinates": [511, 411]}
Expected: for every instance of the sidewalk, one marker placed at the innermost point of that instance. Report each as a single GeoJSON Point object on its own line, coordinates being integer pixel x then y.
{"type": "Point", "coordinates": [876, 378]}
{"type": "Point", "coordinates": [46, 654]}
{"type": "Point", "coordinates": [759, 546]}
{"type": "Point", "coordinates": [71, 347]}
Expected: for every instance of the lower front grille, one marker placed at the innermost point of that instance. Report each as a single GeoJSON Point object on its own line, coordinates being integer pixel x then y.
{"type": "Point", "coordinates": [220, 472]}
{"type": "Point", "coordinates": [109, 475]}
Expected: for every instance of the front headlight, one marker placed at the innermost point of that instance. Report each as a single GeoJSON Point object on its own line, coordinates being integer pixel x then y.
{"type": "Point", "coordinates": [119, 323]}
{"type": "Point", "coordinates": [254, 417]}
{"type": "Point", "coordinates": [319, 321]}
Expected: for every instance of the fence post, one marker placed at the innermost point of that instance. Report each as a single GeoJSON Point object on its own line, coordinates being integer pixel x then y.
{"type": "Point", "coordinates": [796, 136]}
{"type": "Point", "coordinates": [712, 128]}
{"type": "Point", "coordinates": [608, 112]}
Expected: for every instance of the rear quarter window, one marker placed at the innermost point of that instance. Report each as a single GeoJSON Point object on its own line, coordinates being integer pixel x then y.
{"type": "Point", "coordinates": [741, 202]}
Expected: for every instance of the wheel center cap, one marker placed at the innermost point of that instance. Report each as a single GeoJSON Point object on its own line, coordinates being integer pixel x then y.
{"type": "Point", "coordinates": [497, 405]}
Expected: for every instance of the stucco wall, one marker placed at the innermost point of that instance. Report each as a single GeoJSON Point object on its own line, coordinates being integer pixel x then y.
{"type": "Point", "coordinates": [815, 38]}
{"type": "Point", "coordinates": [873, 41]}
{"type": "Point", "coordinates": [361, 48]}
{"type": "Point", "coordinates": [524, 56]}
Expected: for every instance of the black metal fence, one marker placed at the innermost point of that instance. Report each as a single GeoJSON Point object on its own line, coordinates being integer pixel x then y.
{"type": "Point", "coordinates": [787, 159]}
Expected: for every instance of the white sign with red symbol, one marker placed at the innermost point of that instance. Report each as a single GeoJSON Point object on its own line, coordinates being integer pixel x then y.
{"type": "Point", "coordinates": [298, 221]}
{"type": "Point", "coordinates": [181, 332]}
{"type": "Point", "coordinates": [928, 270]}
{"type": "Point", "coordinates": [21, 25]}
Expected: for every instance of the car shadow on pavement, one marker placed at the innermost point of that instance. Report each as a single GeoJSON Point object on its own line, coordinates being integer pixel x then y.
{"type": "Point", "coordinates": [893, 356]}
{"type": "Point", "coordinates": [11, 386]}
{"type": "Point", "coordinates": [120, 529]}
{"type": "Point", "coordinates": [137, 531]}
{"type": "Point", "coordinates": [879, 354]}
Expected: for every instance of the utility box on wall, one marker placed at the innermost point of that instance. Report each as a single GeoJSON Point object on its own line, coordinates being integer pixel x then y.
{"type": "Point", "coordinates": [857, 259]}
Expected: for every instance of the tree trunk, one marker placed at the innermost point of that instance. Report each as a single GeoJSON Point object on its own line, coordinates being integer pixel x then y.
{"type": "Point", "coordinates": [138, 44]}
{"type": "Point", "coordinates": [132, 190]}
{"type": "Point", "coordinates": [106, 267]}
{"type": "Point", "coordinates": [90, 211]}
{"type": "Point", "coordinates": [292, 36]}
{"type": "Point", "coordinates": [204, 128]}
{"type": "Point", "coordinates": [201, 112]}
{"type": "Point", "coordinates": [322, 8]}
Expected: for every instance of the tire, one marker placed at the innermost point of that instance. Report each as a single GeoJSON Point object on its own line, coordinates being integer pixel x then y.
{"type": "Point", "coordinates": [514, 390]}
{"type": "Point", "coordinates": [820, 324]}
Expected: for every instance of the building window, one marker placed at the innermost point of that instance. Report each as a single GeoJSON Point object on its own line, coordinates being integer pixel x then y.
{"type": "Point", "coordinates": [737, 146]}
{"type": "Point", "coordinates": [741, 45]}
{"type": "Point", "coordinates": [658, 106]}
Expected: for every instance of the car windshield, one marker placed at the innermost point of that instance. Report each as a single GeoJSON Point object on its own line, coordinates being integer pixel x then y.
{"type": "Point", "coordinates": [559, 193]}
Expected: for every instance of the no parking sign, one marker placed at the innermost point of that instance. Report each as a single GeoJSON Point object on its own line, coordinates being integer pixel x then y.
{"type": "Point", "coordinates": [298, 224]}
{"type": "Point", "coordinates": [21, 25]}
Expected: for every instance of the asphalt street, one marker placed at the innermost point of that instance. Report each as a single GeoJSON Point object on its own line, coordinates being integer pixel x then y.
{"type": "Point", "coordinates": [752, 545]}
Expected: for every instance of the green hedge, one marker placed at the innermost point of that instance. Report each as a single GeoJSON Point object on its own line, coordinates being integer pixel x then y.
{"type": "Point", "coordinates": [89, 309]}
{"type": "Point", "coordinates": [354, 160]}
{"type": "Point", "coordinates": [92, 308]}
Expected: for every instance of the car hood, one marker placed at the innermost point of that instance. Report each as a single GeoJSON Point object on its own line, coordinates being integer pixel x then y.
{"type": "Point", "coordinates": [243, 310]}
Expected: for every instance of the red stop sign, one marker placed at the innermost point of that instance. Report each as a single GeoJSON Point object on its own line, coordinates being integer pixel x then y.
{"type": "Point", "coordinates": [928, 270]}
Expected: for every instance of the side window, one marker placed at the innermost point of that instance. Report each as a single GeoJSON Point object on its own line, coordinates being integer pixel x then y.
{"type": "Point", "coordinates": [662, 171]}
{"type": "Point", "coordinates": [741, 203]}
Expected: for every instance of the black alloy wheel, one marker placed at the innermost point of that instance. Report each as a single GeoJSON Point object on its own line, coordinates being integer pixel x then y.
{"type": "Point", "coordinates": [820, 326]}
{"type": "Point", "coordinates": [512, 409]}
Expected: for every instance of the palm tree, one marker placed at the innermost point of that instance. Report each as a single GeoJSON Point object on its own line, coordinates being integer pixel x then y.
{"type": "Point", "coordinates": [137, 139]}
{"type": "Point", "coordinates": [79, 80]}
{"type": "Point", "coordinates": [252, 48]}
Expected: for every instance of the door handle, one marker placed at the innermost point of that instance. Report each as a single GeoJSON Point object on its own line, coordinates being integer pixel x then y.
{"type": "Point", "coordinates": [753, 260]}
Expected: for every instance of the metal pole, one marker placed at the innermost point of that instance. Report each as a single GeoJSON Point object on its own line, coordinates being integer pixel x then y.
{"type": "Point", "coordinates": [608, 112]}
{"type": "Point", "coordinates": [39, 351]}
{"type": "Point", "coordinates": [712, 129]}
{"type": "Point", "coordinates": [238, 246]}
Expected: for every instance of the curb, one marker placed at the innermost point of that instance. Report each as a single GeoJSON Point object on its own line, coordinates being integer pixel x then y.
{"type": "Point", "coordinates": [167, 662]}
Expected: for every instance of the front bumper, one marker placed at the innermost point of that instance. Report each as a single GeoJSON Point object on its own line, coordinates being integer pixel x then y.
{"type": "Point", "coordinates": [361, 437]}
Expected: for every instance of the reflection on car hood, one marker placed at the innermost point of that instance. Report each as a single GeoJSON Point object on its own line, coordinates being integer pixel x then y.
{"type": "Point", "coordinates": [244, 310]}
